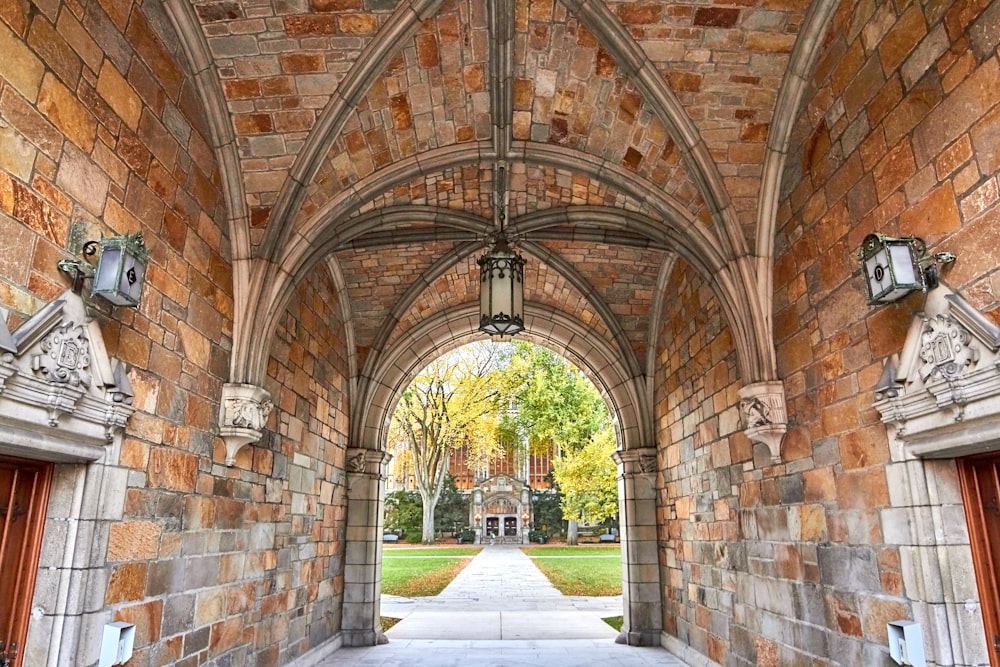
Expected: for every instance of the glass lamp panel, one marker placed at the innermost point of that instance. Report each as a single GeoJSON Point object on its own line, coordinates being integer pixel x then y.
{"type": "Point", "coordinates": [517, 286]}
{"type": "Point", "coordinates": [130, 282]}
{"type": "Point", "coordinates": [501, 289]}
{"type": "Point", "coordinates": [904, 272]}
{"type": "Point", "coordinates": [106, 277]}
{"type": "Point", "coordinates": [877, 273]}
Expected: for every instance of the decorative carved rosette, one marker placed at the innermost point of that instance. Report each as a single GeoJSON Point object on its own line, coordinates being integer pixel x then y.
{"type": "Point", "coordinates": [244, 412]}
{"type": "Point", "coordinates": [946, 349]}
{"type": "Point", "coordinates": [762, 406]}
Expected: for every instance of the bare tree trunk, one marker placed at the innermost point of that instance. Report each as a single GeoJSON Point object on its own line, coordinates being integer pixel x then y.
{"type": "Point", "coordinates": [429, 496]}
{"type": "Point", "coordinates": [572, 532]}
{"type": "Point", "coordinates": [427, 533]}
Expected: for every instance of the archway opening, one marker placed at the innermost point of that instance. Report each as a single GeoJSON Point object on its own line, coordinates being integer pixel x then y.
{"type": "Point", "coordinates": [502, 445]}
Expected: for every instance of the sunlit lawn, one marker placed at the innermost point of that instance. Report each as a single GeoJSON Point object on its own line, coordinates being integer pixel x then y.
{"type": "Point", "coordinates": [420, 572]}
{"type": "Point", "coordinates": [580, 570]}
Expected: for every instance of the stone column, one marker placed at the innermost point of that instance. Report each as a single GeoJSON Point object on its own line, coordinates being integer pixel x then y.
{"type": "Point", "coordinates": [366, 470]}
{"type": "Point", "coordinates": [643, 609]}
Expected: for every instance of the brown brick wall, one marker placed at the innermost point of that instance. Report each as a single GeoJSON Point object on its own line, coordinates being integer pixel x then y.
{"type": "Point", "coordinates": [701, 459]}
{"type": "Point", "coordinates": [99, 135]}
{"type": "Point", "coordinates": [897, 135]}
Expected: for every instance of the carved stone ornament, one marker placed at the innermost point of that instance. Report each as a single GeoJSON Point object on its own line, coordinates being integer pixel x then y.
{"type": "Point", "coordinates": [762, 406]}
{"type": "Point", "coordinates": [638, 462]}
{"type": "Point", "coordinates": [64, 356]}
{"type": "Point", "coordinates": [941, 394]}
{"type": "Point", "coordinates": [357, 462]}
{"type": "Point", "coordinates": [361, 461]}
{"type": "Point", "coordinates": [62, 398]}
{"type": "Point", "coordinates": [244, 411]}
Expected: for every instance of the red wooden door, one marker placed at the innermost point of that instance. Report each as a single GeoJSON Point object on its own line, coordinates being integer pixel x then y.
{"type": "Point", "coordinates": [24, 493]}
{"type": "Point", "coordinates": [981, 493]}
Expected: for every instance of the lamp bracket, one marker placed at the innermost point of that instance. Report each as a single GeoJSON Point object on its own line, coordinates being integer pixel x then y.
{"type": "Point", "coordinates": [80, 269]}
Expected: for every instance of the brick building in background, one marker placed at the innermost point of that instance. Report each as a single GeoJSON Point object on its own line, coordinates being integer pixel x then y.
{"type": "Point", "coordinates": [690, 185]}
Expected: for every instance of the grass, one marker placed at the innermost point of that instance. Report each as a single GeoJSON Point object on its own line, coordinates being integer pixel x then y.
{"type": "Point", "coordinates": [615, 621]}
{"type": "Point", "coordinates": [593, 571]}
{"type": "Point", "coordinates": [609, 551]}
{"type": "Point", "coordinates": [421, 572]}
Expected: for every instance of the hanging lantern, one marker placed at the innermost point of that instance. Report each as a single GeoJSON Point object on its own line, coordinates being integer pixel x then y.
{"type": "Point", "coordinates": [501, 290]}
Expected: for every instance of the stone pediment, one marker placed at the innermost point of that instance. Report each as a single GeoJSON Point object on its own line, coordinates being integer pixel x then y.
{"type": "Point", "coordinates": [941, 393]}
{"type": "Point", "coordinates": [61, 397]}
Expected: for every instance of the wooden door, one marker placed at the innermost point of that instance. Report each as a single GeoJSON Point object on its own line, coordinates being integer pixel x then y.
{"type": "Point", "coordinates": [24, 493]}
{"type": "Point", "coordinates": [493, 526]}
{"type": "Point", "coordinates": [981, 492]}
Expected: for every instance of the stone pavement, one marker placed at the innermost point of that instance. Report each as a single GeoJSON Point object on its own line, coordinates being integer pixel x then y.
{"type": "Point", "coordinates": [501, 610]}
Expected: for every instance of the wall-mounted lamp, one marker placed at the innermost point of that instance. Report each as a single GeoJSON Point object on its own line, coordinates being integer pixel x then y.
{"type": "Point", "coordinates": [894, 267]}
{"type": "Point", "coordinates": [479, 518]}
{"type": "Point", "coordinates": [120, 272]}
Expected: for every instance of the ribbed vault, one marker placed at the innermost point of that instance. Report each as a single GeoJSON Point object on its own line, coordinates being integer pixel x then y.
{"type": "Point", "coordinates": [376, 140]}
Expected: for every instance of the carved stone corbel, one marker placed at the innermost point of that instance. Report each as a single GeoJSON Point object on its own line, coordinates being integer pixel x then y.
{"type": "Point", "coordinates": [243, 414]}
{"type": "Point", "coordinates": [361, 461]}
{"type": "Point", "coordinates": [762, 406]}
{"type": "Point", "coordinates": [638, 462]}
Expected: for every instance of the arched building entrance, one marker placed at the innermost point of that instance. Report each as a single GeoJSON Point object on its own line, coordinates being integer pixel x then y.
{"type": "Point", "coordinates": [501, 510]}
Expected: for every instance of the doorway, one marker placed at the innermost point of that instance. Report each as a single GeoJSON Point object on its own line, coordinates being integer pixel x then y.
{"type": "Point", "coordinates": [980, 477]}
{"type": "Point", "coordinates": [24, 493]}
{"type": "Point", "coordinates": [493, 526]}
{"type": "Point", "coordinates": [510, 526]}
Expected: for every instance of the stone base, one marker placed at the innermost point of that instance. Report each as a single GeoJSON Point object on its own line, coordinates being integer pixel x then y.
{"type": "Point", "coordinates": [639, 637]}
{"type": "Point", "coordinates": [319, 654]}
{"type": "Point", "coordinates": [364, 637]}
{"type": "Point", "coordinates": [685, 652]}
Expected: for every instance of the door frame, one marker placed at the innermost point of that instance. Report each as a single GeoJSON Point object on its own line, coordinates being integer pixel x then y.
{"type": "Point", "coordinates": [985, 563]}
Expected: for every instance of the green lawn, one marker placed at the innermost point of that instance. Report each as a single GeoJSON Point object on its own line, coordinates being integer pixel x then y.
{"type": "Point", "coordinates": [580, 570]}
{"type": "Point", "coordinates": [418, 572]}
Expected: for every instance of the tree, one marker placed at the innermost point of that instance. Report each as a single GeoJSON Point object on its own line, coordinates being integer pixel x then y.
{"type": "Point", "coordinates": [451, 403]}
{"type": "Point", "coordinates": [555, 403]}
{"type": "Point", "coordinates": [558, 408]}
{"type": "Point", "coordinates": [403, 511]}
{"type": "Point", "coordinates": [588, 479]}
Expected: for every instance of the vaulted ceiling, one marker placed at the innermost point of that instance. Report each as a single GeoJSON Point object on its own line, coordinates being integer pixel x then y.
{"type": "Point", "coordinates": [382, 139]}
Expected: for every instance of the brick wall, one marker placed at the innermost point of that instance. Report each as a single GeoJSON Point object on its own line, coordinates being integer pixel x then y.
{"type": "Point", "coordinates": [702, 455]}
{"type": "Point", "coordinates": [102, 133]}
{"type": "Point", "coordinates": [898, 134]}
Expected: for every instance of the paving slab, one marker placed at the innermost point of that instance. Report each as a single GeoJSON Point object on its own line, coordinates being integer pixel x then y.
{"type": "Point", "coordinates": [501, 611]}
{"type": "Point", "coordinates": [502, 653]}
{"type": "Point", "coordinates": [501, 595]}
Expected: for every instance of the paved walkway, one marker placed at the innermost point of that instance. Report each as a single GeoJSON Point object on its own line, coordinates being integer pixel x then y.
{"type": "Point", "coordinates": [502, 611]}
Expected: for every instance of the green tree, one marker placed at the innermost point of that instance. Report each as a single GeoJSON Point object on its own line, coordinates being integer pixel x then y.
{"type": "Point", "coordinates": [555, 403]}
{"type": "Point", "coordinates": [588, 480]}
{"type": "Point", "coordinates": [452, 510]}
{"type": "Point", "coordinates": [403, 513]}
{"type": "Point", "coordinates": [451, 403]}
{"type": "Point", "coordinates": [556, 408]}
